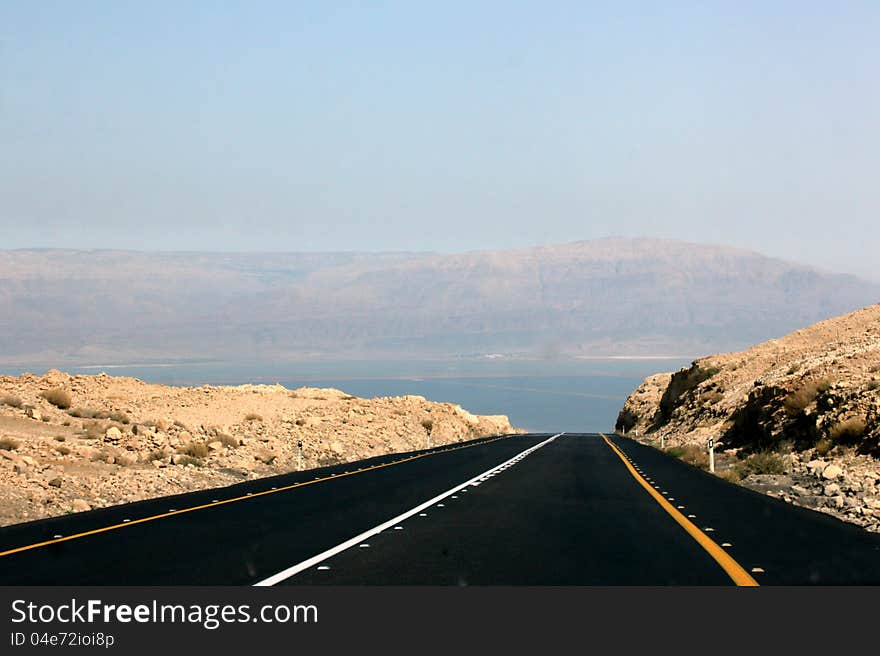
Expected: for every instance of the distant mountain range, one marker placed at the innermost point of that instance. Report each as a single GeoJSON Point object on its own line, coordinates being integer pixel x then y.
{"type": "Point", "coordinates": [590, 298]}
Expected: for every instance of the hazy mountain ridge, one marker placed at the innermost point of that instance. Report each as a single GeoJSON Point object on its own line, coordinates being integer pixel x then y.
{"type": "Point", "coordinates": [615, 296]}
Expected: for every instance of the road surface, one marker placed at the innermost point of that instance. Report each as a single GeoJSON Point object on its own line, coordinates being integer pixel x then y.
{"type": "Point", "coordinates": [569, 509]}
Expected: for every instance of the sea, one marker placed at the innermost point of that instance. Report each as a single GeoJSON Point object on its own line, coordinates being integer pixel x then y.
{"type": "Point", "coordinates": [575, 395]}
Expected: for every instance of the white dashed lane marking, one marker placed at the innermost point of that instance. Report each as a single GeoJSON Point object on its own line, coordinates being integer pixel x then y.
{"type": "Point", "coordinates": [358, 539]}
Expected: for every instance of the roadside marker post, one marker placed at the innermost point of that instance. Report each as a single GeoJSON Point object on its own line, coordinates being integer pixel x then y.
{"type": "Point", "coordinates": [299, 455]}
{"type": "Point", "coordinates": [712, 455]}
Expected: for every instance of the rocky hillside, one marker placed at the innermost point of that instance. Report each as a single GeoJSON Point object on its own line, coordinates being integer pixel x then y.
{"type": "Point", "coordinates": [797, 416]}
{"type": "Point", "coordinates": [602, 297]}
{"type": "Point", "coordinates": [70, 443]}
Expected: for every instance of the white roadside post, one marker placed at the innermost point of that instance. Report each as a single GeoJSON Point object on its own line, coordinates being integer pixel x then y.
{"type": "Point", "coordinates": [662, 442]}
{"type": "Point", "coordinates": [299, 455]}
{"type": "Point", "coordinates": [712, 455]}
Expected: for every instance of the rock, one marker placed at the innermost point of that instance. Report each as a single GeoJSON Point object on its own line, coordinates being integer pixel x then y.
{"type": "Point", "coordinates": [831, 472]}
{"type": "Point", "coordinates": [832, 489]}
{"type": "Point", "coordinates": [19, 468]}
{"type": "Point", "coordinates": [29, 461]}
{"type": "Point", "coordinates": [55, 482]}
{"type": "Point", "coordinates": [9, 455]}
{"type": "Point", "coordinates": [838, 501]}
{"type": "Point", "coordinates": [216, 445]}
{"type": "Point", "coordinates": [113, 433]}
{"type": "Point", "coordinates": [79, 505]}
{"type": "Point", "coordinates": [33, 413]}
{"type": "Point", "coordinates": [338, 448]}
{"type": "Point", "coordinates": [800, 490]}
{"type": "Point", "coordinates": [816, 466]}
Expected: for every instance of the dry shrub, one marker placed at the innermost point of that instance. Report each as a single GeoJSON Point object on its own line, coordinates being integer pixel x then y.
{"type": "Point", "coordinates": [428, 424]}
{"type": "Point", "coordinates": [228, 440]}
{"type": "Point", "coordinates": [8, 443]}
{"type": "Point", "coordinates": [157, 454]}
{"type": "Point", "coordinates": [185, 460]}
{"type": "Point", "coordinates": [60, 438]}
{"type": "Point", "coordinates": [11, 401]}
{"type": "Point", "coordinates": [120, 417]}
{"type": "Point", "coordinates": [848, 431]}
{"type": "Point", "coordinates": [99, 456]}
{"type": "Point", "coordinates": [195, 450]}
{"type": "Point", "coordinates": [58, 397]}
{"type": "Point", "coordinates": [691, 454]}
{"type": "Point", "coordinates": [180, 425]}
{"type": "Point", "coordinates": [797, 401]}
{"type": "Point", "coordinates": [823, 447]}
{"type": "Point", "coordinates": [712, 398]}
{"type": "Point", "coordinates": [253, 416]}
{"type": "Point", "coordinates": [94, 429]}
{"type": "Point", "coordinates": [730, 475]}
{"type": "Point", "coordinates": [158, 424]}
{"type": "Point", "coordinates": [83, 413]}
{"type": "Point", "coordinates": [63, 450]}
{"type": "Point", "coordinates": [763, 462]}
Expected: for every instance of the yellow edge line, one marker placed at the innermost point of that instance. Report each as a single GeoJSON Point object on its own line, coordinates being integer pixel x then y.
{"type": "Point", "coordinates": [736, 572]}
{"type": "Point", "coordinates": [253, 495]}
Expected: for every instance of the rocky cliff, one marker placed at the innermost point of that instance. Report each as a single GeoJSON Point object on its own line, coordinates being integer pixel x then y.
{"type": "Point", "coordinates": [798, 416]}
{"type": "Point", "coordinates": [70, 443]}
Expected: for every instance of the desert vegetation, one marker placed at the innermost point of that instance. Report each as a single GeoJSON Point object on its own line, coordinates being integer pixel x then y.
{"type": "Point", "coordinates": [58, 397]}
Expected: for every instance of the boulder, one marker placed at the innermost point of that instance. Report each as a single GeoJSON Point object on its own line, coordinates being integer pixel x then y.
{"type": "Point", "coordinates": [831, 472]}
{"type": "Point", "coordinates": [80, 505]}
{"type": "Point", "coordinates": [113, 433]}
{"type": "Point", "coordinates": [831, 490]}
{"type": "Point", "coordinates": [9, 455]}
{"type": "Point", "coordinates": [816, 466]}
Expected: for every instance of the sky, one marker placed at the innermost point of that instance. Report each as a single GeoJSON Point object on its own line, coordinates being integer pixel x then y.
{"type": "Point", "coordinates": [444, 126]}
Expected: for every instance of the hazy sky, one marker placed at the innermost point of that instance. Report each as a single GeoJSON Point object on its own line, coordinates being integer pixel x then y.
{"type": "Point", "coordinates": [441, 126]}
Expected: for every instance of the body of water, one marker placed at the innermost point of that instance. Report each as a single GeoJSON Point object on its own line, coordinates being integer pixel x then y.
{"type": "Point", "coordinates": [540, 396]}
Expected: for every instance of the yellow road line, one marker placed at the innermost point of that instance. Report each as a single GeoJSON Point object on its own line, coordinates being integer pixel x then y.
{"type": "Point", "coordinates": [252, 495]}
{"type": "Point", "coordinates": [734, 570]}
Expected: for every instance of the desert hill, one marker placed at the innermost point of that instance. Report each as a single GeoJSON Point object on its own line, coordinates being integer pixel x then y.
{"type": "Point", "coordinates": [70, 443]}
{"type": "Point", "coordinates": [804, 408]}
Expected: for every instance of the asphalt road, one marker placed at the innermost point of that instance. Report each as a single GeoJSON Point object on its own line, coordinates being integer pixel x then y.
{"type": "Point", "coordinates": [514, 510]}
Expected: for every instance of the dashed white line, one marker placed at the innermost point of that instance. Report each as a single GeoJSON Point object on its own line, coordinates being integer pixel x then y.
{"type": "Point", "coordinates": [314, 560]}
